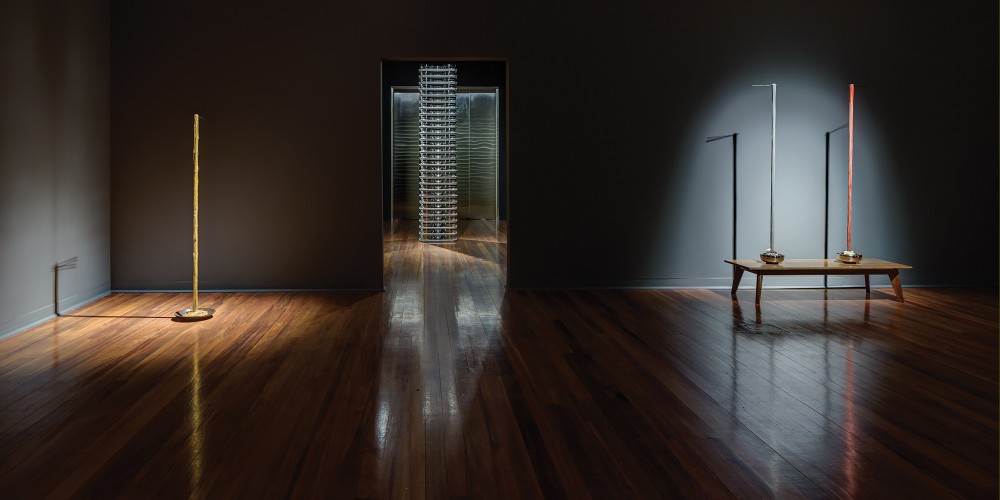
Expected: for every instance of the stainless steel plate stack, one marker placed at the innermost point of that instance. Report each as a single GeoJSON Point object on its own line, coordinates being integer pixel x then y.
{"type": "Point", "coordinates": [438, 156]}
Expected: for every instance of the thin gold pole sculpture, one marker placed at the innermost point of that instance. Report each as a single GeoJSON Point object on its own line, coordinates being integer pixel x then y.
{"type": "Point", "coordinates": [194, 280]}
{"type": "Point", "coordinates": [195, 312]}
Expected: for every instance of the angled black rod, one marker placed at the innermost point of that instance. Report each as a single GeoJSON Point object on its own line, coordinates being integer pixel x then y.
{"type": "Point", "coordinates": [717, 137]}
{"type": "Point", "coordinates": [838, 128]}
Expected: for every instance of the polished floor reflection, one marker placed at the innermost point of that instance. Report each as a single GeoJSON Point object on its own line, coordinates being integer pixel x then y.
{"type": "Point", "coordinates": [448, 385]}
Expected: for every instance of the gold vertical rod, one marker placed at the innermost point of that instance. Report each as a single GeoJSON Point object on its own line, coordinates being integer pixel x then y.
{"type": "Point", "coordinates": [195, 313]}
{"type": "Point", "coordinates": [194, 284]}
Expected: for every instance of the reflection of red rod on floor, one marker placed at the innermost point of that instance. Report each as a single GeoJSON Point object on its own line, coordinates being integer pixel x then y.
{"type": "Point", "coordinates": [850, 163]}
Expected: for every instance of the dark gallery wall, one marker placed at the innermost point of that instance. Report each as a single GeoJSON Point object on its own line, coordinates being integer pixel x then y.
{"type": "Point", "coordinates": [54, 157]}
{"type": "Point", "coordinates": [611, 182]}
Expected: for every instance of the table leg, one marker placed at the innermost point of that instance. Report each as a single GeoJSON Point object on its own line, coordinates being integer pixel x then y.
{"type": "Point", "coordinates": [737, 276]}
{"type": "Point", "coordinates": [868, 285]}
{"type": "Point", "coordinates": [760, 281]}
{"type": "Point", "coordinates": [897, 286]}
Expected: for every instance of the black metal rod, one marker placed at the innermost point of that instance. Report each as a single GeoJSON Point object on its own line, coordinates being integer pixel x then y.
{"type": "Point", "coordinates": [716, 138]}
{"type": "Point", "coordinates": [826, 211]}
{"type": "Point", "coordinates": [734, 195]}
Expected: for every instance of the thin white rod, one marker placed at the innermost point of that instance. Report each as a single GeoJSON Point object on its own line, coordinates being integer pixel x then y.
{"type": "Point", "coordinates": [774, 129]}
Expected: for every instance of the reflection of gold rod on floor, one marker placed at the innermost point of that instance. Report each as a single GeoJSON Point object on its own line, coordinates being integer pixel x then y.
{"type": "Point", "coordinates": [195, 313]}
{"type": "Point", "coordinates": [197, 439]}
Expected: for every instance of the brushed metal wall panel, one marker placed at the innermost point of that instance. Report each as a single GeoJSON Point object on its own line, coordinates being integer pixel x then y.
{"type": "Point", "coordinates": [477, 154]}
{"type": "Point", "coordinates": [482, 147]}
{"type": "Point", "coordinates": [405, 155]}
{"type": "Point", "coordinates": [462, 126]}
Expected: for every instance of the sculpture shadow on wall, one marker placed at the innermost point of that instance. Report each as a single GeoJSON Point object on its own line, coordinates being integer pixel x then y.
{"type": "Point", "coordinates": [59, 266]}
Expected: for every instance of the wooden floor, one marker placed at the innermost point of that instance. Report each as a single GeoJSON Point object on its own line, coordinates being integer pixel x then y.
{"type": "Point", "coordinates": [447, 385]}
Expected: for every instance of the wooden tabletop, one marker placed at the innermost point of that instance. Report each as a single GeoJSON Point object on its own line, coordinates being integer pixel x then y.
{"type": "Point", "coordinates": [831, 266]}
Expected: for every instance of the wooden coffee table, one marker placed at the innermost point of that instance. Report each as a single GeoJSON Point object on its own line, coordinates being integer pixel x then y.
{"type": "Point", "coordinates": [815, 267]}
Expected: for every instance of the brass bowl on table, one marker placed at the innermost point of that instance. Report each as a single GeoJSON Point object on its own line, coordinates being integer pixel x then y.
{"type": "Point", "coordinates": [770, 256]}
{"type": "Point", "coordinates": [849, 257]}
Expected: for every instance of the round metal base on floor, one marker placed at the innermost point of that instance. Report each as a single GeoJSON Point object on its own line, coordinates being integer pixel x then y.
{"type": "Point", "coordinates": [200, 314]}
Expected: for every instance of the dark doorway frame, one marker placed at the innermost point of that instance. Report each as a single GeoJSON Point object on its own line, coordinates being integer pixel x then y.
{"type": "Point", "coordinates": [473, 72]}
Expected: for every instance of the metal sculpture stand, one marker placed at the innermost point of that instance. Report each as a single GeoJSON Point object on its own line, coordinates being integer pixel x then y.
{"type": "Point", "coordinates": [438, 155]}
{"type": "Point", "coordinates": [849, 256]}
{"type": "Point", "coordinates": [772, 256]}
{"type": "Point", "coordinates": [195, 313]}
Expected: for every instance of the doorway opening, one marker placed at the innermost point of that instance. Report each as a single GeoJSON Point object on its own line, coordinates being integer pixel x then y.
{"type": "Point", "coordinates": [481, 144]}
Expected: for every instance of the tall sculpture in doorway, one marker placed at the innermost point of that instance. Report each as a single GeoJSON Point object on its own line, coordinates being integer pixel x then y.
{"type": "Point", "coordinates": [438, 156]}
{"type": "Point", "coordinates": [772, 256]}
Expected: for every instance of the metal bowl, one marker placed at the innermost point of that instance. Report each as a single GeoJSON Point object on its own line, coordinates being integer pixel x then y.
{"type": "Point", "coordinates": [770, 256]}
{"type": "Point", "coordinates": [849, 257]}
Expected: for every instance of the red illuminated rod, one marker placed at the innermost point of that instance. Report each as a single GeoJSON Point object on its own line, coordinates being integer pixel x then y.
{"type": "Point", "coordinates": [850, 163]}
{"type": "Point", "coordinates": [849, 256]}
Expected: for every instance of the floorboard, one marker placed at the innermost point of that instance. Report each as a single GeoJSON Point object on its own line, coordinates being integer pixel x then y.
{"type": "Point", "coordinates": [449, 385]}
